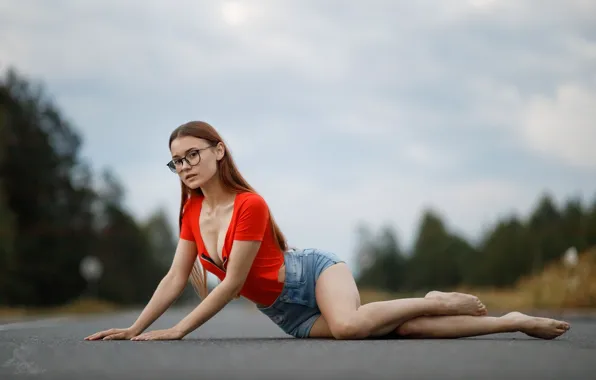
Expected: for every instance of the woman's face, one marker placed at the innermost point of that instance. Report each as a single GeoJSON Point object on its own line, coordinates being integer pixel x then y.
{"type": "Point", "coordinates": [195, 160]}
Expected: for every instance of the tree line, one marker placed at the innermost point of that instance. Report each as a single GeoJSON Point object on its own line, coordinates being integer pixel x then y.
{"type": "Point", "coordinates": [55, 211]}
{"type": "Point", "coordinates": [512, 248]}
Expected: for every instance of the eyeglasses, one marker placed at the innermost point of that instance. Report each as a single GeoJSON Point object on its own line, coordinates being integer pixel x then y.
{"type": "Point", "coordinates": [193, 158]}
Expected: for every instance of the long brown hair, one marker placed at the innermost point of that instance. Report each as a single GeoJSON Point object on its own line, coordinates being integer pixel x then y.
{"type": "Point", "coordinates": [230, 177]}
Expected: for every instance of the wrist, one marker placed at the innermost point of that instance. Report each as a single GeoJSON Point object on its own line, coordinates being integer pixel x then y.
{"type": "Point", "coordinates": [135, 329]}
{"type": "Point", "coordinates": [182, 331]}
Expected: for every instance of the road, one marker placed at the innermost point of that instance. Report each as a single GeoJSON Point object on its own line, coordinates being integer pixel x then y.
{"type": "Point", "coordinates": [240, 343]}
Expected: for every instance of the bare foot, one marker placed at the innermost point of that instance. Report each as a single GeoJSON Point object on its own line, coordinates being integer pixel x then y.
{"type": "Point", "coordinates": [536, 327]}
{"type": "Point", "coordinates": [459, 303]}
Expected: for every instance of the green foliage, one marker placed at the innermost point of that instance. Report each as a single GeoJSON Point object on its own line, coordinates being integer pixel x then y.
{"type": "Point", "coordinates": [433, 262]}
{"type": "Point", "coordinates": [507, 253]}
{"type": "Point", "coordinates": [590, 232]}
{"type": "Point", "coordinates": [162, 241]}
{"type": "Point", "coordinates": [51, 216]}
{"type": "Point", "coordinates": [382, 264]}
{"type": "Point", "coordinates": [439, 259]}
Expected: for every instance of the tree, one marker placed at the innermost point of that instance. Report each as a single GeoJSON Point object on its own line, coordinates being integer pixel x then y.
{"type": "Point", "coordinates": [7, 218]}
{"type": "Point", "coordinates": [131, 270]}
{"type": "Point", "coordinates": [162, 244]}
{"type": "Point", "coordinates": [590, 233]}
{"type": "Point", "coordinates": [467, 260]}
{"type": "Point", "coordinates": [574, 225]}
{"type": "Point", "coordinates": [506, 255]}
{"type": "Point", "coordinates": [162, 241]}
{"type": "Point", "coordinates": [545, 233]}
{"type": "Point", "coordinates": [434, 262]}
{"type": "Point", "coordinates": [381, 261]}
{"type": "Point", "coordinates": [52, 217]}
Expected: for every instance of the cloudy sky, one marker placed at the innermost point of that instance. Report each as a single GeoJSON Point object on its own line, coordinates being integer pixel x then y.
{"type": "Point", "coordinates": [338, 112]}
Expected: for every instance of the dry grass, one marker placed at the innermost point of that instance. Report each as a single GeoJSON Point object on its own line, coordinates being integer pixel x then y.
{"type": "Point", "coordinates": [556, 288]}
{"type": "Point", "coordinates": [80, 306]}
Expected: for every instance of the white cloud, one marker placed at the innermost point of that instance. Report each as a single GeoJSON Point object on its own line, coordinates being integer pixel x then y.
{"type": "Point", "coordinates": [483, 4]}
{"type": "Point", "coordinates": [235, 13]}
{"type": "Point", "coordinates": [492, 103]}
{"type": "Point", "coordinates": [425, 156]}
{"type": "Point", "coordinates": [580, 46]}
{"type": "Point", "coordinates": [563, 126]}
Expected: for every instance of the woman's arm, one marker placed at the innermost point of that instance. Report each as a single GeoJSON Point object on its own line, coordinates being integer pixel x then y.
{"type": "Point", "coordinates": [239, 264]}
{"type": "Point", "coordinates": [241, 258]}
{"type": "Point", "coordinates": [168, 290]}
{"type": "Point", "coordinates": [170, 287]}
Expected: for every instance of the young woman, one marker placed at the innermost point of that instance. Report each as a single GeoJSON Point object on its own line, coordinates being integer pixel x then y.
{"type": "Point", "coordinates": [227, 229]}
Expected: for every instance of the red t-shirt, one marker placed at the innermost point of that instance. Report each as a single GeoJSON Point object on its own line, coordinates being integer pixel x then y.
{"type": "Point", "coordinates": [250, 221]}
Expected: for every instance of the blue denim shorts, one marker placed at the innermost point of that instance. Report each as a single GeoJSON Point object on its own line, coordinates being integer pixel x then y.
{"type": "Point", "coordinates": [295, 310]}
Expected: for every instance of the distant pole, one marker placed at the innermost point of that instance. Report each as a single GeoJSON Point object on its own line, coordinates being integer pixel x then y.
{"type": "Point", "coordinates": [570, 260]}
{"type": "Point", "coordinates": [91, 269]}
{"type": "Point", "coordinates": [570, 257]}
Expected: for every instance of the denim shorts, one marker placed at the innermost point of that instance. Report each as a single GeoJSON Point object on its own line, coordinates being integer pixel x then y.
{"type": "Point", "coordinates": [295, 310]}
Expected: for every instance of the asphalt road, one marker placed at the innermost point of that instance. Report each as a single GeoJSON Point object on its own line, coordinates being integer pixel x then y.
{"type": "Point", "coordinates": [240, 343]}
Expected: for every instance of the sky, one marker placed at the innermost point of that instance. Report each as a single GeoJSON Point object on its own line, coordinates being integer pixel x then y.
{"type": "Point", "coordinates": [337, 112]}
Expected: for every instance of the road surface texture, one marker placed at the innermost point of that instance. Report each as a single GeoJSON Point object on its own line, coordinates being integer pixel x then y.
{"type": "Point", "coordinates": [240, 343]}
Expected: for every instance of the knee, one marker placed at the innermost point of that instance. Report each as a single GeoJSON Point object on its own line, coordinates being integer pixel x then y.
{"type": "Point", "coordinates": [350, 328]}
{"type": "Point", "coordinates": [412, 327]}
{"type": "Point", "coordinates": [406, 328]}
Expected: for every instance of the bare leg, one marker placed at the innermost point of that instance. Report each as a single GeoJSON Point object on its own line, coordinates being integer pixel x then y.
{"type": "Point", "coordinates": [461, 326]}
{"type": "Point", "coordinates": [344, 317]}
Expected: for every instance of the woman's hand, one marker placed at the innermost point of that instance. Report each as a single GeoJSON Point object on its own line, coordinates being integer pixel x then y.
{"type": "Point", "coordinates": [113, 334]}
{"type": "Point", "coordinates": [167, 334]}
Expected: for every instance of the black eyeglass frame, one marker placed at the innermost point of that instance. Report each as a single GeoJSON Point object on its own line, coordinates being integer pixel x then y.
{"type": "Point", "coordinates": [172, 166]}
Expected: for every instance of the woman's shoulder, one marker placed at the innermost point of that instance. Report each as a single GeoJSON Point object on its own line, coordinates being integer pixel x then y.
{"type": "Point", "coordinates": [192, 202]}
{"type": "Point", "coordinates": [250, 199]}
{"type": "Point", "coordinates": [248, 196]}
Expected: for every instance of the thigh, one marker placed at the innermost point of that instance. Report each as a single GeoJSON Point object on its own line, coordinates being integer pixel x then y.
{"type": "Point", "coordinates": [320, 329]}
{"type": "Point", "coordinates": [336, 294]}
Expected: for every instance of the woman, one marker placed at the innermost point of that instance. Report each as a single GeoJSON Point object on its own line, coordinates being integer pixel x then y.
{"type": "Point", "coordinates": [226, 228]}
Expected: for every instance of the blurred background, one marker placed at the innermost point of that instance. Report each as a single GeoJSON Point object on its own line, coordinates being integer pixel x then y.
{"type": "Point", "coordinates": [431, 144]}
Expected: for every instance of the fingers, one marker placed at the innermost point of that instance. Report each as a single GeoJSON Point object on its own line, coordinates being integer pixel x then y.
{"type": "Point", "coordinates": [146, 336]}
{"type": "Point", "coordinates": [118, 334]}
{"type": "Point", "coordinates": [99, 335]}
{"type": "Point", "coordinates": [115, 336]}
{"type": "Point", "coordinates": [110, 334]}
{"type": "Point", "coordinates": [152, 335]}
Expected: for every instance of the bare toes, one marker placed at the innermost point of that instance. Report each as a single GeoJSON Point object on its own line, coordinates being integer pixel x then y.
{"type": "Point", "coordinates": [563, 326]}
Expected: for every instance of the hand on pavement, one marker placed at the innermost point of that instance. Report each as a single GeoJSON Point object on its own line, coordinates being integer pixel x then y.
{"type": "Point", "coordinates": [113, 334]}
{"type": "Point", "coordinates": [167, 334]}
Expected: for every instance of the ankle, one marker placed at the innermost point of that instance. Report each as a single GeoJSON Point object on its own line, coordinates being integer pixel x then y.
{"type": "Point", "coordinates": [438, 306]}
{"type": "Point", "coordinates": [509, 324]}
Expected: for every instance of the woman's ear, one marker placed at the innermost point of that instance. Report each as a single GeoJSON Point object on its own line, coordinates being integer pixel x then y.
{"type": "Point", "coordinates": [220, 151]}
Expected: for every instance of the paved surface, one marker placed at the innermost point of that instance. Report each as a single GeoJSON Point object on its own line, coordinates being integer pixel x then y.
{"type": "Point", "coordinates": [240, 343]}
